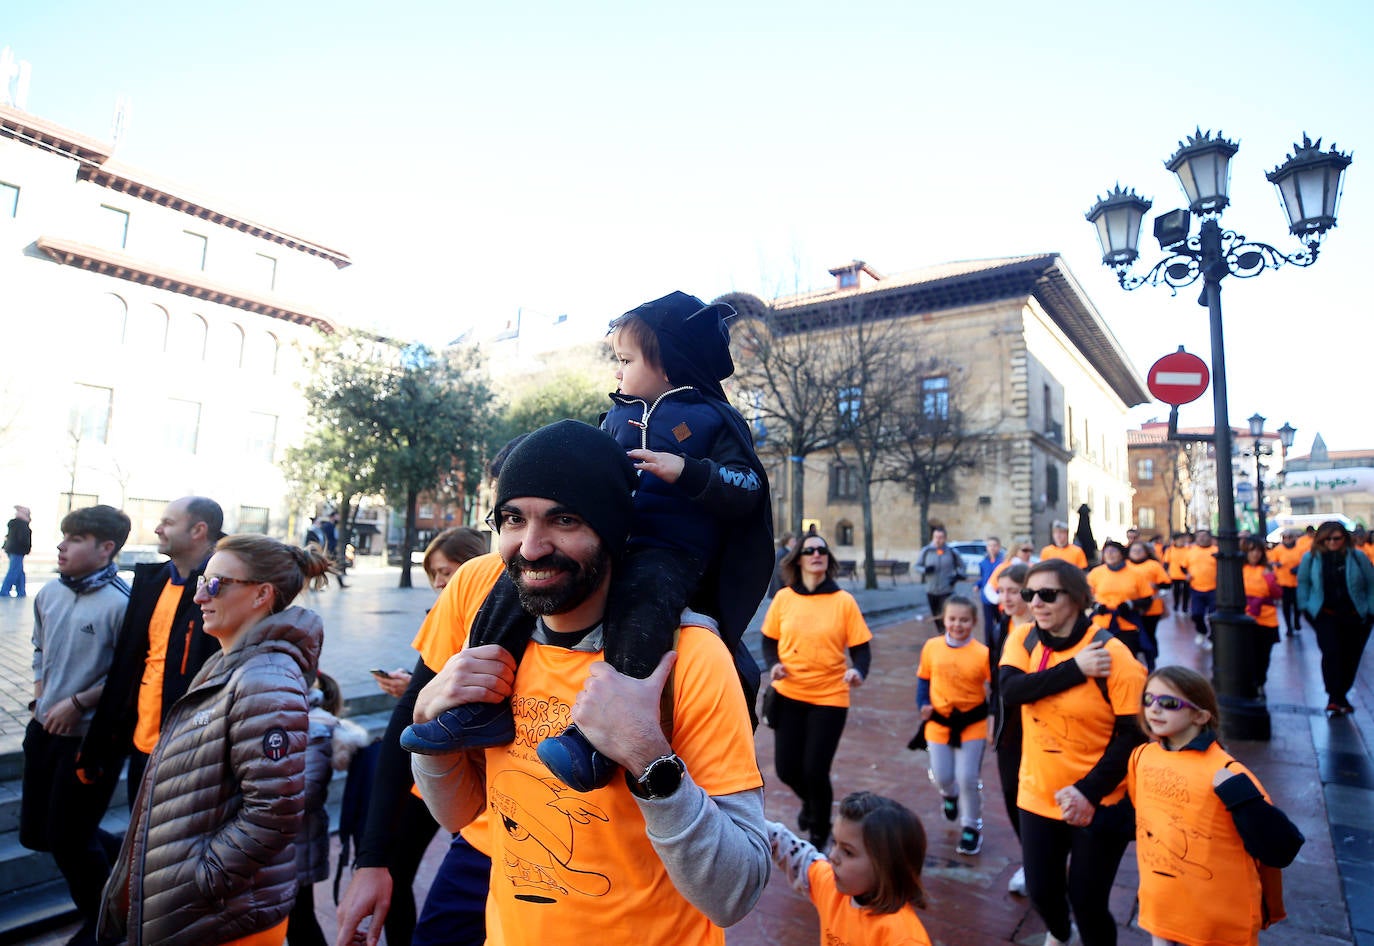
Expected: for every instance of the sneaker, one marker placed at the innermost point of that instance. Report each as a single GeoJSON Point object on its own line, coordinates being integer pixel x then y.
{"type": "Point", "coordinates": [1073, 940]}
{"type": "Point", "coordinates": [950, 807]}
{"type": "Point", "coordinates": [576, 762]}
{"type": "Point", "coordinates": [467, 726]}
{"type": "Point", "coordinates": [970, 841]}
{"type": "Point", "coordinates": [1017, 884]}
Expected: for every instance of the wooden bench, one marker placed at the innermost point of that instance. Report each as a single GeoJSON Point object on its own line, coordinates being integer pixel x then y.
{"type": "Point", "coordinates": [848, 568]}
{"type": "Point", "coordinates": [891, 567]}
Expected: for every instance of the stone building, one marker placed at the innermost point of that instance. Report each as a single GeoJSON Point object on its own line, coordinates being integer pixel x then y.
{"type": "Point", "coordinates": [1020, 348]}
{"type": "Point", "coordinates": [153, 338]}
{"type": "Point", "coordinates": [1331, 481]}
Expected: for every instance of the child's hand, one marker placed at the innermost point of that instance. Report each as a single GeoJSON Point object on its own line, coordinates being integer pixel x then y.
{"type": "Point", "coordinates": [666, 466]}
{"type": "Point", "coordinates": [777, 671]}
{"type": "Point", "coordinates": [926, 710]}
{"type": "Point", "coordinates": [1075, 808]}
{"type": "Point", "coordinates": [853, 677]}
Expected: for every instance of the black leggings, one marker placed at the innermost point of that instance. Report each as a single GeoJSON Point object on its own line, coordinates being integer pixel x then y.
{"type": "Point", "coordinates": [1093, 855]}
{"type": "Point", "coordinates": [415, 829]}
{"type": "Point", "coordinates": [805, 739]}
{"type": "Point", "coordinates": [1291, 619]}
{"type": "Point", "coordinates": [1009, 771]}
{"type": "Point", "coordinates": [302, 927]}
{"type": "Point", "coordinates": [1342, 640]}
{"type": "Point", "coordinates": [1181, 590]}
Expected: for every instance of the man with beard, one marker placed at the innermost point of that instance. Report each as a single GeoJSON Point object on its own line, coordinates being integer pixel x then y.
{"type": "Point", "coordinates": [675, 850]}
{"type": "Point", "coordinates": [160, 647]}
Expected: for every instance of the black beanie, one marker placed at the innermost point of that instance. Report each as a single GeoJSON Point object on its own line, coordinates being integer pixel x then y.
{"type": "Point", "coordinates": [578, 466]}
{"type": "Point", "coordinates": [693, 340]}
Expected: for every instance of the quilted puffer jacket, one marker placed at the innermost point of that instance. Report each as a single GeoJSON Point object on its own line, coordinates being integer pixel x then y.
{"type": "Point", "coordinates": [209, 856]}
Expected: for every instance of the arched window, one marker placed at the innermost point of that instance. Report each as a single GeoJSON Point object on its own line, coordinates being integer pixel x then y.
{"type": "Point", "coordinates": [844, 532]}
{"type": "Point", "coordinates": [105, 322]}
{"type": "Point", "coordinates": [260, 353]}
{"type": "Point", "coordinates": [146, 329]}
{"type": "Point", "coordinates": [226, 346]}
{"type": "Point", "coordinates": [186, 338]}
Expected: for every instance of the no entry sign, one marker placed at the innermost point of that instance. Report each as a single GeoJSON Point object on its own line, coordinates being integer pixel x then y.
{"type": "Point", "coordinates": [1178, 378]}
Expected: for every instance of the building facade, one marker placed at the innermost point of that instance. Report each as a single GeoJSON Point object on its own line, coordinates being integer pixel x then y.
{"type": "Point", "coordinates": [153, 338]}
{"type": "Point", "coordinates": [1032, 366]}
{"type": "Point", "coordinates": [1331, 481]}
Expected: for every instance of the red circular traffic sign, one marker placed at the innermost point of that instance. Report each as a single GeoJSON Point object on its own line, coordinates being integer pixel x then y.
{"type": "Point", "coordinates": [1178, 378]}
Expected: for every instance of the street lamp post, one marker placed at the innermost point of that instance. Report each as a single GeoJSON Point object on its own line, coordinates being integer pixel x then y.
{"type": "Point", "coordinates": [1259, 450]}
{"type": "Point", "coordinates": [1309, 183]}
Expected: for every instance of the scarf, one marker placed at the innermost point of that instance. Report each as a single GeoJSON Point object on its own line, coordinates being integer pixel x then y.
{"type": "Point", "coordinates": [88, 583]}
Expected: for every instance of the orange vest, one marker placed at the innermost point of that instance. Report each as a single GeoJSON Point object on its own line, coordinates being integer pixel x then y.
{"type": "Point", "coordinates": [1202, 567]}
{"type": "Point", "coordinates": [1257, 587]}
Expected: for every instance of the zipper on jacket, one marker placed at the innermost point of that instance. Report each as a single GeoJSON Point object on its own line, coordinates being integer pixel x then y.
{"type": "Point", "coordinates": [644, 428]}
{"type": "Point", "coordinates": [186, 648]}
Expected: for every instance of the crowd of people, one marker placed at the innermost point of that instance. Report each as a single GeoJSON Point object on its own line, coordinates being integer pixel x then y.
{"type": "Point", "coordinates": [581, 716]}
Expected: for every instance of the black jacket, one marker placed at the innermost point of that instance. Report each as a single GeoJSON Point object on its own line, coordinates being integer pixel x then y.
{"type": "Point", "coordinates": [110, 738]}
{"type": "Point", "coordinates": [18, 537]}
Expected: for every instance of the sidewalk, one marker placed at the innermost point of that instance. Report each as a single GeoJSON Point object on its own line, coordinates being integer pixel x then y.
{"type": "Point", "coordinates": [1320, 771]}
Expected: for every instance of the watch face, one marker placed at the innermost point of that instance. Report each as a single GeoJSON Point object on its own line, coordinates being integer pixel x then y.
{"type": "Point", "coordinates": [664, 777]}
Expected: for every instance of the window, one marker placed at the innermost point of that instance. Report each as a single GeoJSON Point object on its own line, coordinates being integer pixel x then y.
{"type": "Point", "coordinates": [260, 352]}
{"type": "Point", "coordinates": [262, 436]}
{"type": "Point", "coordinates": [425, 511]}
{"type": "Point", "coordinates": [844, 532]}
{"type": "Point", "coordinates": [90, 415]}
{"type": "Point", "coordinates": [1145, 470]}
{"type": "Point", "coordinates": [265, 271]}
{"type": "Point", "coordinates": [849, 402]}
{"type": "Point", "coordinates": [193, 247]}
{"type": "Point", "coordinates": [1051, 484]}
{"type": "Point", "coordinates": [935, 398]}
{"type": "Point", "coordinates": [844, 483]}
{"type": "Point", "coordinates": [226, 346]}
{"type": "Point", "coordinates": [182, 427]}
{"type": "Point", "coordinates": [146, 328]}
{"type": "Point", "coordinates": [105, 323]}
{"type": "Point", "coordinates": [1145, 518]}
{"type": "Point", "coordinates": [848, 279]}
{"type": "Point", "coordinates": [113, 227]}
{"type": "Point", "coordinates": [9, 200]}
{"type": "Point", "coordinates": [186, 338]}
{"type": "Point", "coordinates": [145, 514]}
{"type": "Point", "coordinates": [253, 519]}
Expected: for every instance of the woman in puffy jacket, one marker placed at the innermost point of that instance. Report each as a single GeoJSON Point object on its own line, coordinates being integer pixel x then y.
{"type": "Point", "coordinates": [1336, 595]}
{"type": "Point", "coordinates": [210, 857]}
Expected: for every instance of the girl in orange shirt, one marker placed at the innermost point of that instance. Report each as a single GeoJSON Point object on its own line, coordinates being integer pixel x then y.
{"type": "Point", "coordinates": [1140, 557]}
{"type": "Point", "coordinates": [1203, 822]}
{"type": "Point", "coordinates": [868, 888]}
{"type": "Point", "coordinates": [952, 696]}
{"type": "Point", "coordinates": [1261, 592]}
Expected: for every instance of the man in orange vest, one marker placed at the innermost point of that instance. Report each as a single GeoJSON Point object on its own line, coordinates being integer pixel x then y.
{"type": "Point", "coordinates": [1060, 547]}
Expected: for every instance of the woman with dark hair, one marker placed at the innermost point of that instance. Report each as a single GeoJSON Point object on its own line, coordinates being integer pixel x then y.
{"type": "Point", "coordinates": [1336, 595]}
{"type": "Point", "coordinates": [1079, 691]}
{"type": "Point", "coordinates": [810, 626]}
{"type": "Point", "coordinates": [1006, 734]}
{"type": "Point", "coordinates": [1121, 594]}
{"type": "Point", "coordinates": [210, 857]}
{"type": "Point", "coordinates": [1262, 593]}
{"type": "Point", "coordinates": [1142, 557]}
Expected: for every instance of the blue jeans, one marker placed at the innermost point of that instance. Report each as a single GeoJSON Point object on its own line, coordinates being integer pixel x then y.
{"type": "Point", "coordinates": [455, 911]}
{"type": "Point", "coordinates": [14, 578]}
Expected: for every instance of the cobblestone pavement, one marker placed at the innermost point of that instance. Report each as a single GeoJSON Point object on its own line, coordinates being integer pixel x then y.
{"type": "Point", "coordinates": [1318, 770]}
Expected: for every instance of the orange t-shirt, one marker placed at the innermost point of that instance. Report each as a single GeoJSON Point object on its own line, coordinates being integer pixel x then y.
{"type": "Point", "coordinates": [845, 923]}
{"type": "Point", "coordinates": [148, 727]}
{"type": "Point", "coordinates": [813, 634]}
{"type": "Point", "coordinates": [562, 859]}
{"type": "Point", "coordinates": [442, 635]}
{"type": "Point", "coordinates": [958, 677]}
{"type": "Point", "coordinates": [272, 936]}
{"type": "Point", "coordinates": [1191, 857]}
{"type": "Point", "coordinates": [1157, 577]}
{"type": "Point", "coordinates": [1176, 557]}
{"type": "Point", "coordinates": [1202, 567]}
{"type": "Point", "coordinates": [1304, 543]}
{"type": "Point", "coordinates": [1257, 587]}
{"type": "Point", "coordinates": [1114, 589]}
{"type": "Point", "coordinates": [1066, 733]}
{"type": "Point", "coordinates": [1069, 553]}
{"type": "Point", "coordinates": [1285, 562]}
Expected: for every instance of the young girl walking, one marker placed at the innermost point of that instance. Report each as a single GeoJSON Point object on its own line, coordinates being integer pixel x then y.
{"type": "Point", "coordinates": [868, 888]}
{"type": "Point", "coordinates": [1204, 824]}
{"type": "Point", "coordinates": [952, 696]}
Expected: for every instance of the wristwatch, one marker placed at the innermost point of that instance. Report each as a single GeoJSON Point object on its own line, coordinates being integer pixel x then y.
{"type": "Point", "coordinates": [660, 780]}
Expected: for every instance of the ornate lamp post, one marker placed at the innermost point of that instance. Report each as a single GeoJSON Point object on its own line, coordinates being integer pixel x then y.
{"type": "Point", "coordinates": [1309, 184]}
{"type": "Point", "coordinates": [1259, 449]}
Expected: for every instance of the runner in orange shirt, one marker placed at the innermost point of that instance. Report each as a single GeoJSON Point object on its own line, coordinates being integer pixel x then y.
{"type": "Point", "coordinates": [1286, 557]}
{"type": "Point", "coordinates": [1060, 547]}
{"type": "Point", "coordinates": [1176, 558]}
{"type": "Point", "coordinates": [1201, 566]}
{"type": "Point", "coordinates": [1140, 556]}
{"type": "Point", "coordinates": [1261, 591]}
{"type": "Point", "coordinates": [1121, 593]}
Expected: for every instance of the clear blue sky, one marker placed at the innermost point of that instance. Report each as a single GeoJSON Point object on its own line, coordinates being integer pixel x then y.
{"type": "Point", "coordinates": [474, 159]}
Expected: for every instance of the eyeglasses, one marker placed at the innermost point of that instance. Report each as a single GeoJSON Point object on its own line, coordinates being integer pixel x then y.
{"type": "Point", "coordinates": [1047, 595]}
{"type": "Point", "coordinates": [1027, 550]}
{"type": "Point", "coordinates": [493, 521]}
{"type": "Point", "coordinates": [1334, 538]}
{"type": "Point", "coordinates": [815, 550]}
{"type": "Point", "coordinates": [213, 586]}
{"type": "Point", "coordinates": [1167, 702]}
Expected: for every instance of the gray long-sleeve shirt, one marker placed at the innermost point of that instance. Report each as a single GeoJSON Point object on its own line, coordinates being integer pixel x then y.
{"type": "Point", "coordinates": [73, 642]}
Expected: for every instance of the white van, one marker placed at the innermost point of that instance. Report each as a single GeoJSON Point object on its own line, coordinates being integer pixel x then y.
{"type": "Point", "coordinates": [1300, 524]}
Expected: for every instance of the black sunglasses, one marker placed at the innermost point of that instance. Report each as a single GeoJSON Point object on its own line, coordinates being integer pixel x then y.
{"type": "Point", "coordinates": [213, 586]}
{"type": "Point", "coordinates": [815, 550]}
{"type": "Point", "coordinates": [1047, 595]}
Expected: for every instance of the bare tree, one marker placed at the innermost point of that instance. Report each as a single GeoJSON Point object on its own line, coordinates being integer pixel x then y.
{"type": "Point", "coordinates": [937, 435]}
{"type": "Point", "coordinates": [790, 376]}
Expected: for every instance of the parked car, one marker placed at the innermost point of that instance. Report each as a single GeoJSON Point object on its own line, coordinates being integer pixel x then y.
{"type": "Point", "coordinates": [971, 553]}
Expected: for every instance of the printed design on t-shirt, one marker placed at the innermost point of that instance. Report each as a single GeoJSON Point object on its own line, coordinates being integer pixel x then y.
{"type": "Point", "coordinates": [536, 719]}
{"type": "Point", "coordinates": [1164, 835]}
{"type": "Point", "coordinates": [539, 818]}
{"type": "Point", "coordinates": [1055, 726]}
